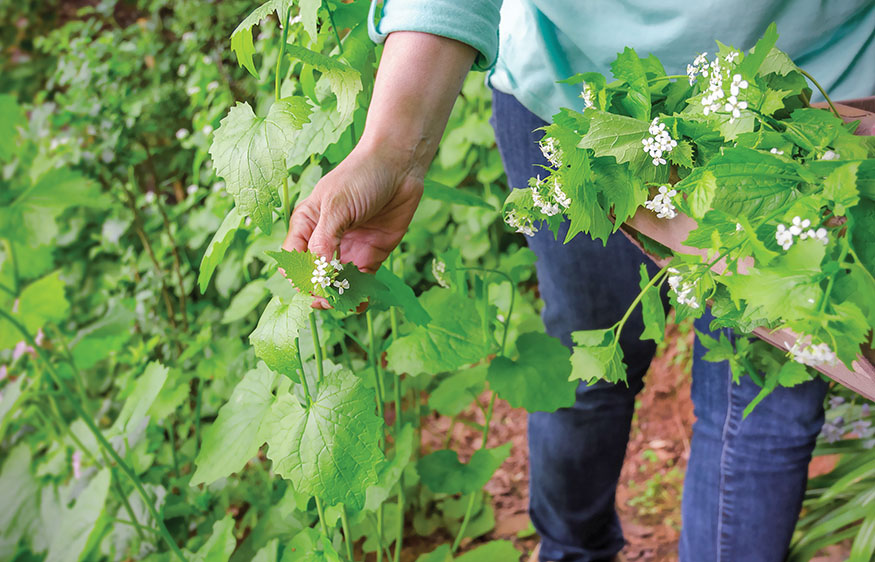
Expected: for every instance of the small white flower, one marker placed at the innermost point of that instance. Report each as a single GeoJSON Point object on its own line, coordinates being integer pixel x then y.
{"type": "Point", "coordinates": [76, 462]}
{"type": "Point", "coordinates": [734, 106]}
{"type": "Point", "coordinates": [738, 84]}
{"type": "Point", "coordinates": [182, 70]}
{"type": "Point", "coordinates": [811, 354]}
{"type": "Point", "coordinates": [659, 143]}
{"type": "Point", "coordinates": [731, 56]}
{"type": "Point", "coordinates": [247, 222]}
{"type": "Point", "coordinates": [207, 130]}
{"type": "Point", "coordinates": [438, 269]}
{"type": "Point", "coordinates": [181, 134]}
{"type": "Point", "coordinates": [662, 204]}
{"type": "Point", "coordinates": [588, 96]}
{"type": "Point", "coordinates": [192, 189]}
{"type": "Point", "coordinates": [218, 186]}
{"type": "Point", "coordinates": [341, 286]}
{"type": "Point", "coordinates": [738, 227]}
{"type": "Point", "coordinates": [776, 151]}
{"type": "Point", "coordinates": [150, 197]}
{"type": "Point", "coordinates": [193, 90]}
{"type": "Point", "coordinates": [522, 225]}
{"type": "Point", "coordinates": [830, 155]}
{"type": "Point", "coordinates": [207, 60]}
{"type": "Point", "coordinates": [212, 85]}
{"type": "Point", "coordinates": [551, 151]}
{"type": "Point", "coordinates": [188, 36]}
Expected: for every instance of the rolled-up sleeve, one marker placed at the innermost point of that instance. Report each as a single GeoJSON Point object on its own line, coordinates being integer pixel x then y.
{"type": "Point", "coordinates": [473, 22]}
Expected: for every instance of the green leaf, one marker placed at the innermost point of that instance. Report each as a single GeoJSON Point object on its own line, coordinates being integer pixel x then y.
{"type": "Point", "coordinates": [273, 340]}
{"type": "Point", "coordinates": [329, 449]}
{"type": "Point", "coordinates": [250, 154]}
{"type": "Point", "coordinates": [220, 545]}
{"type": "Point", "coordinates": [310, 545]}
{"type": "Point", "coordinates": [19, 496]}
{"type": "Point", "coordinates": [777, 62]}
{"type": "Point", "coordinates": [391, 472]}
{"type": "Point", "coordinates": [268, 552]}
{"type": "Point", "coordinates": [840, 187]}
{"type": "Point", "coordinates": [792, 374]}
{"type": "Point", "coordinates": [324, 129]}
{"type": "Point", "coordinates": [298, 268]}
{"type": "Point", "coordinates": [538, 379]}
{"type": "Point", "coordinates": [457, 391]}
{"type": "Point", "coordinates": [245, 301]}
{"type": "Point", "coordinates": [440, 554]}
{"type": "Point", "coordinates": [104, 337]}
{"type": "Point", "coordinates": [651, 309]}
{"type": "Point", "coordinates": [143, 392]}
{"type": "Point", "coordinates": [618, 136]}
{"type": "Point", "coordinates": [11, 117]}
{"type": "Point", "coordinates": [218, 246]}
{"type": "Point", "coordinates": [31, 218]}
{"type": "Point", "coordinates": [238, 432]}
{"type": "Point", "coordinates": [495, 551]}
{"type": "Point", "coordinates": [701, 193]}
{"type": "Point", "coordinates": [395, 292]}
{"type": "Point", "coordinates": [864, 543]}
{"type": "Point", "coordinates": [682, 154]}
{"type": "Point", "coordinates": [241, 38]}
{"type": "Point", "coordinates": [78, 524]}
{"type": "Point", "coordinates": [750, 182]}
{"type": "Point", "coordinates": [753, 60]}
{"type": "Point", "coordinates": [597, 356]}
{"type": "Point", "coordinates": [345, 81]}
{"type": "Point", "coordinates": [442, 472]}
{"type": "Point", "coordinates": [452, 339]}
{"type": "Point", "coordinates": [456, 196]}
{"type": "Point", "coordinates": [628, 68]}
{"type": "Point", "coordinates": [40, 303]}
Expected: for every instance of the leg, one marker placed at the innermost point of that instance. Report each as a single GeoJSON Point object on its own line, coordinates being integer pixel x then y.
{"type": "Point", "coordinates": [575, 454]}
{"type": "Point", "coordinates": [746, 477]}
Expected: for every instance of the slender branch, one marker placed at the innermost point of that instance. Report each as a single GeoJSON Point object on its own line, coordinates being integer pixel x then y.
{"type": "Point", "coordinates": [822, 92]}
{"type": "Point", "coordinates": [321, 511]}
{"type": "Point", "coordinates": [320, 369]}
{"type": "Point", "coordinates": [347, 535]}
{"type": "Point", "coordinates": [333, 25]}
{"type": "Point", "coordinates": [303, 373]}
{"type": "Point", "coordinates": [108, 448]}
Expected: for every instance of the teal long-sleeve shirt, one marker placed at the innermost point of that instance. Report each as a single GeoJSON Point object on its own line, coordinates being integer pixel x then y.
{"type": "Point", "coordinates": [528, 45]}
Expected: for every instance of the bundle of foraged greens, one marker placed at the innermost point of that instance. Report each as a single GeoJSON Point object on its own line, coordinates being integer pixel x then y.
{"type": "Point", "coordinates": [783, 195]}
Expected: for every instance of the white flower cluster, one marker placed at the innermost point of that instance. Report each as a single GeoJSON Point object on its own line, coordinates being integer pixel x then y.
{"type": "Point", "coordinates": [659, 143]}
{"type": "Point", "coordinates": [551, 152]}
{"type": "Point", "coordinates": [322, 277]}
{"type": "Point", "coordinates": [523, 225]}
{"type": "Point", "coordinates": [662, 204]}
{"type": "Point", "coordinates": [588, 96]}
{"type": "Point", "coordinates": [799, 227]}
{"type": "Point", "coordinates": [682, 288]}
{"type": "Point", "coordinates": [548, 196]}
{"type": "Point", "coordinates": [718, 71]}
{"type": "Point", "coordinates": [813, 355]}
{"type": "Point", "coordinates": [439, 270]}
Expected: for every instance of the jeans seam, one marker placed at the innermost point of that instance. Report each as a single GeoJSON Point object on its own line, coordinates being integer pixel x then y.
{"type": "Point", "coordinates": [721, 507]}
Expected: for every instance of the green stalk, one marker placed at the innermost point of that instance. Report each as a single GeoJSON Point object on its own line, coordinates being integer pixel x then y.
{"type": "Point", "coordinates": [822, 92]}
{"type": "Point", "coordinates": [399, 535]}
{"type": "Point", "coordinates": [303, 374]}
{"type": "Point", "coordinates": [276, 95]}
{"type": "Point", "coordinates": [318, 348]}
{"type": "Point", "coordinates": [374, 359]}
{"type": "Point", "coordinates": [347, 536]}
{"type": "Point", "coordinates": [124, 499]}
{"type": "Point", "coordinates": [488, 416]}
{"type": "Point", "coordinates": [333, 25]}
{"type": "Point", "coordinates": [658, 277]}
{"type": "Point", "coordinates": [321, 513]}
{"type": "Point", "coordinates": [56, 378]}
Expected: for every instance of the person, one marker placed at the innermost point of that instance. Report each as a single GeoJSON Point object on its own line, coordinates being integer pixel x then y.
{"type": "Point", "coordinates": [746, 477]}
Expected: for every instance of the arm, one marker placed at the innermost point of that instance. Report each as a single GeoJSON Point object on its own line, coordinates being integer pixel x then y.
{"type": "Point", "coordinates": [363, 207]}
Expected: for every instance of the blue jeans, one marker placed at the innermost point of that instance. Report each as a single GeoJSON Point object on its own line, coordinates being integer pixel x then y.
{"type": "Point", "coordinates": [745, 478]}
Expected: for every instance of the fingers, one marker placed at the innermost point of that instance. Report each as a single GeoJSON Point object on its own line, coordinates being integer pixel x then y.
{"type": "Point", "coordinates": [301, 225]}
{"type": "Point", "coordinates": [325, 237]}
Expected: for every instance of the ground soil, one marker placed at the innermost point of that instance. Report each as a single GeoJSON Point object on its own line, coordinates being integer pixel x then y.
{"type": "Point", "coordinates": [649, 491]}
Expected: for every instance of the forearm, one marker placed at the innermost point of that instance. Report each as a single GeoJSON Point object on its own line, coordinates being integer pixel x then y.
{"type": "Point", "coordinates": [419, 78]}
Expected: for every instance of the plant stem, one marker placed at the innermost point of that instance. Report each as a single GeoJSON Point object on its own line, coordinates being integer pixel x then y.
{"type": "Point", "coordinates": [822, 92]}
{"type": "Point", "coordinates": [303, 373]}
{"type": "Point", "coordinates": [321, 513]}
{"type": "Point", "coordinates": [276, 95]}
{"type": "Point", "coordinates": [619, 325]}
{"type": "Point", "coordinates": [333, 25]}
{"type": "Point", "coordinates": [320, 369]}
{"type": "Point", "coordinates": [347, 536]}
{"type": "Point", "coordinates": [469, 510]}
{"type": "Point", "coordinates": [375, 362]}
{"type": "Point", "coordinates": [56, 378]}
{"type": "Point", "coordinates": [124, 499]}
